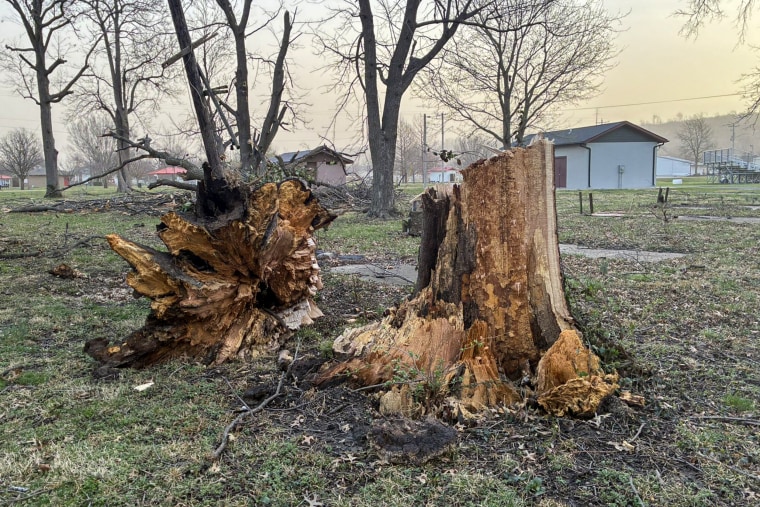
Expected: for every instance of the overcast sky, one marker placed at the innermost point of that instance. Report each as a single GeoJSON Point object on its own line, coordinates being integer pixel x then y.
{"type": "Point", "coordinates": [656, 64]}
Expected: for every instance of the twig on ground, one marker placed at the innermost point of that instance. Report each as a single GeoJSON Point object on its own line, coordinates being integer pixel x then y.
{"type": "Point", "coordinates": [730, 467]}
{"type": "Point", "coordinates": [386, 273]}
{"type": "Point", "coordinates": [637, 433]}
{"type": "Point", "coordinates": [738, 420]}
{"type": "Point", "coordinates": [245, 405]}
{"type": "Point", "coordinates": [23, 498]}
{"type": "Point", "coordinates": [258, 408]}
{"type": "Point", "coordinates": [635, 491]}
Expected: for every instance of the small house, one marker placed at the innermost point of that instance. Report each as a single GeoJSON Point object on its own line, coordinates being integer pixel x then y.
{"type": "Point", "coordinates": [612, 155]}
{"type": "Point", "coordinates": [37, 178]}
{"type": "Point", "coordinates": [5, 181]}
{"type": "Point", "coordinates": [322, 164]}
{"type": "Point", "coordinates": [168, 173]}
{"type": "Point", "coordinates": [444, 175]}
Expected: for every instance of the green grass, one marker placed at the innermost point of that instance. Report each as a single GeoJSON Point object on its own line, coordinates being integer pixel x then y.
{"type": "Point", "coordinates": [739, 403]}
{"type": "Point", "coordinates": [354, 233]}
{"type": "Point", "coordinates": [682, 333]}
{"type": "Point", "coordinates": [39, 193]}
{"type": "Point", "coordinates": [685, 180]}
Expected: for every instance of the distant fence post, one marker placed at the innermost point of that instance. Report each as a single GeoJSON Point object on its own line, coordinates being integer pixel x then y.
{"type": "Point", "coordinates": [591, 203]}
{"type": "Point", "coordinates": [580, 201]}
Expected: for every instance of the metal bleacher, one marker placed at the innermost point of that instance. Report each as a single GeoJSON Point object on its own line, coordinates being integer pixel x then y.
{"type": "Point", "coordinates": [731, 166]}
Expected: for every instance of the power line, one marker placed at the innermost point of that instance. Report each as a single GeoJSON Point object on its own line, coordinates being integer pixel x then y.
{"type": "Point", "coordinates": [655, 102]}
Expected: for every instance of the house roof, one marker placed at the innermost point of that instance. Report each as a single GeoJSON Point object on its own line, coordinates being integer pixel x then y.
{"type": "Point", "coordinates": [584, 135]}
{"type": "Point", "coordinates": [4, 177]}
{"type": "Point", "coordinates": [297, 156]}
{"type": "Point", "coordinates": [442, 169]}
{"type": "Point", "coordinates": [169, 170]}
{"type": "Point", "coordinates": [676, 159]}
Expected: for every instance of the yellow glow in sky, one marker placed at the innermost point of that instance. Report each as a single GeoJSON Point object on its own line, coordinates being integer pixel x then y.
{"type": "Point", "coordinates": [656, 63]}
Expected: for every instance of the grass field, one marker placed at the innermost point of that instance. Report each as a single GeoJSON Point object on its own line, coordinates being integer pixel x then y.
{"type": "Point", "coordinates": [684, 333]}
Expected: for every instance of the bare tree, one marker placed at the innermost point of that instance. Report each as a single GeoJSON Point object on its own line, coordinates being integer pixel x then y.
{"type": "Point", "coordinates": [90, 149]}
{"type": "Point", "coordinates": [43, 22]}
{"type": "Point", "coordinates": [696, 137]}
{"type": "Point", "coordinates": [380, 48]}
{"type": "Point", "coordinates": [127, 76]}
{"type": "Point", "coordinates": [408, 149]}
{"type": "Point", "coordinates": [233, 115]}
{"type": "Point", "coordinates": [504, 77]}
{"type": "Point", "coordinates": [252, 147]}
{"type": "Point", "coordinates": [20, 152]}
{"type": "Point", "coordinates": [473, 147]}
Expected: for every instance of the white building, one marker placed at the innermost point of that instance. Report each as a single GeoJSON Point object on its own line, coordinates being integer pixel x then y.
{"type": "Point", "coordinates": [668, 167]}
{"type": "Point", "coordinates": [613, 155]}
{"type": "Point", "coordinates": [444, 175]}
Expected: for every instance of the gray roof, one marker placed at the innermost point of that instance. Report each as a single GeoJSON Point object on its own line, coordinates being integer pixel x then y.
{"type": "Point", "coordinates": [583, 135]}
{"type": "Point", "coordinates": [295, 156]}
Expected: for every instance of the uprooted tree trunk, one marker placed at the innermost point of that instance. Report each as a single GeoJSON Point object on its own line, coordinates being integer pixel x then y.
{"type": "Point", "coordinates": [238, 278]}
{"type": "Point", "coordinates": [232, 286]}
{"type": "Point", "coordinates": [489, 319]}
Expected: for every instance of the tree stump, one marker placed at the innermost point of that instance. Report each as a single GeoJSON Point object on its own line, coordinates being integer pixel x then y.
{"type": "Point", "coordinates": [489, 303]}
{"type": "Point", "coordinates": [234, 283]}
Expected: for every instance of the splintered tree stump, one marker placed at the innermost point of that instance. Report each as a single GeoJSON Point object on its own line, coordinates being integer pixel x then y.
{"type": "Point", "coordinates": [489, 302]}
{"type": "Point", "coordinates": [233, 283]}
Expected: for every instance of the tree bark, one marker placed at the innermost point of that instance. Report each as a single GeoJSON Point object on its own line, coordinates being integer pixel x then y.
{"type": "Point", "coordinates": [46, 122]}
{"type": "Point", "coordinates": [491, 305]}
{"type": "Point", "coordinates": [225, 288]}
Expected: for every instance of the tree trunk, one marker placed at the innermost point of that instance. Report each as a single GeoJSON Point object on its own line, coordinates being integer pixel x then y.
{"type": "Point", "coordinates": [383, 151]}
{"type": "Point", "coordinates": [490, 309]}
{"type": "Point", "coordinates": [48, 139]}
{"type": "Point", "coordinates": [234, 286]}
{"type": "Point", "coordinates": [122, 128]}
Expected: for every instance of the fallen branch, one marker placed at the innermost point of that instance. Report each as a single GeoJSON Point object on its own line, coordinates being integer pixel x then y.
{"type": "Point", "coordinates": [250, 411]}
{"type": "Point", "coordinates": [193, 171]}
{"type": "Point", "coordinates": [20, 255]}
{"type": "Point", "coordinates": [36, 208]}
{"type": "Point", "coordinates": [58, 252]}
{"type": "Point", "coordinates": [171, 183]}
{"type": "Point", "coordinates": [112, 170]}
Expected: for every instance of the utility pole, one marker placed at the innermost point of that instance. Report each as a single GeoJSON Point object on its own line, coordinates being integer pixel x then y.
{"type": "Point", "coordinates": [442, 132]}
{"type": "Point", "coordinates": [424, 149]}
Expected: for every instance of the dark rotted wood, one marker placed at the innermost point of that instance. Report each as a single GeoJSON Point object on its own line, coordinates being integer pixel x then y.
{"type": "Point", "coordinates": [435, 213]}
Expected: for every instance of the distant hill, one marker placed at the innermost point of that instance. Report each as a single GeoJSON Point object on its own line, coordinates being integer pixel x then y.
{"type": "Point", "coordinates": [747, 135]}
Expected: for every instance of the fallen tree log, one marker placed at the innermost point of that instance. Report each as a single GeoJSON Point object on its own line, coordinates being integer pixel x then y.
{"type": "Point", "coordinates": [233, 283]}
{"type": "Point", "coordinates": [489, 323]}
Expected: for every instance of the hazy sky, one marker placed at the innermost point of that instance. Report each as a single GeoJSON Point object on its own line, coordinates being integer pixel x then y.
{"type": "Point", "coordinates": [655, 64]}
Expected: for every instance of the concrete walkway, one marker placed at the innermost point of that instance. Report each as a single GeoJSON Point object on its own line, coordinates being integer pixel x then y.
{"type": "Point", "coordinates": [406, 274]}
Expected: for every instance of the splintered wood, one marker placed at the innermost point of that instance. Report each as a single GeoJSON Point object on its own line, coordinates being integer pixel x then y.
{"type": "Point", "coordinates": [232, 289]}
{"type": "Point", "coordinates": [489, 301]}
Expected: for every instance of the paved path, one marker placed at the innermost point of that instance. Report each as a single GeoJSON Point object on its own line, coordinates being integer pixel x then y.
{"type": "Point", "coordinates": [406, 274]}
